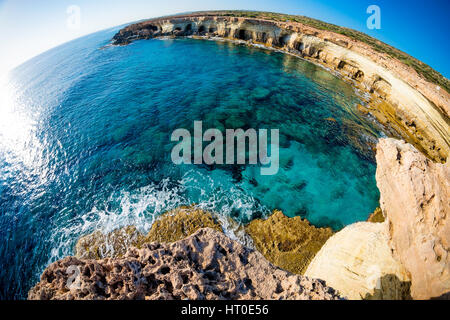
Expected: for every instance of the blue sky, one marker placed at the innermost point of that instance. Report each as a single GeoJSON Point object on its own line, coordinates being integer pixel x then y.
{"type": "Point", "coordinates": [29, 27]}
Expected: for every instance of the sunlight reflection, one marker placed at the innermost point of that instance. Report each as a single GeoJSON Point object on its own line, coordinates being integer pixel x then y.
{"type": "Point", "coordinates": [18, 143]}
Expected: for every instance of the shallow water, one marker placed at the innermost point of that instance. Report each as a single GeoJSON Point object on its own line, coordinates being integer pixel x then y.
{"type": "Point", "coordinates": [85, 143]}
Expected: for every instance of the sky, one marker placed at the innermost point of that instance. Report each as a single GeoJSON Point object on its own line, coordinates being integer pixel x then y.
{"type": "Point", "coordinates": [30, 27]}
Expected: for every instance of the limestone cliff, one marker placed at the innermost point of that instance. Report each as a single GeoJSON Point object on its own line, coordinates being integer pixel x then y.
{"type": "Point", "coordinates": [205, 265]}
{"type": "Point", "coordinates": [357, 261]}
{"type": "Point", "coordinates": [415, 195]}
{"type": "Point", "coordinates": [400, 98]}
{"type": "Point", "coordinates": [407, 255]}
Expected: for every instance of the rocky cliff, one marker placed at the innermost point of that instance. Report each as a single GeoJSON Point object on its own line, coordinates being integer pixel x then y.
{"type": "Point", "coordinates": [400, 98]}
{"type": "Point", "coordinates": [407, 255]}
{"type": "Point", "coordinates": [415, 195]}
{"type": "Point", "coordinates": [205, 265]}
{"type": "Point", "coordinates": [358, 262]}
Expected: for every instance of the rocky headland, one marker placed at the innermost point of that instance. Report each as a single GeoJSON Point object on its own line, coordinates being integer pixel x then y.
{"type": "Point", "coordinates": [358, 262]}
{"type": "Point", "coordinates": [173, 225]}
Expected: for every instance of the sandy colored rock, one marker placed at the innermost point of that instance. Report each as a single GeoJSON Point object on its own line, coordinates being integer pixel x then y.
{"type": "Point", "coordinates": [357, 261]}
{"type": "Point", "coordinates": [205, 265]}
{"type": "Point", "coordinates": [289, 243]}
{"type": "Point", "coordinates": [415, 195]}
{"type": "Point", "coordinates": [169, 227]}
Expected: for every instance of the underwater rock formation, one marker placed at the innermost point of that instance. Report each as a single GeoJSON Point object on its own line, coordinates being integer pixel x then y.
{"type": "Point", "coordinates": [205, 265]}
{"type": "Point", "coordinates": [289, 243]}
{"type": "Point", "coordinates": [401, 99]}
{"type": "Point", "coordinates": [171, 226]}
{"type": "Point", "coordinates": [357, 261]}
{"type": "Point", "coordinates": [376, 216]}
{"type": "Point", "coordinates": [179, 223]}
{"type": "Point", "coordinates": [415, 195]}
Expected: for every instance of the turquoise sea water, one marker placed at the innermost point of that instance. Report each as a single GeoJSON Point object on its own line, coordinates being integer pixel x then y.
{"type": "Point", "coordinates": [85, 143]}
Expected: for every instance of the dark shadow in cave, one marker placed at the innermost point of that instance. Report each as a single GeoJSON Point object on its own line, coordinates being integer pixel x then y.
{"type": "Point", "coordinates": [241, 34]}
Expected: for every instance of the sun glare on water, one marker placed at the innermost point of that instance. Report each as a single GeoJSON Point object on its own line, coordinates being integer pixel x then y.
{"type": "Point", "coordinates": [16, 128]}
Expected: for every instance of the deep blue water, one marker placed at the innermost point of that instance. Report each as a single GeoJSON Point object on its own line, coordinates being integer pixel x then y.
{"type": "Point", "coordinates": [85, 143]}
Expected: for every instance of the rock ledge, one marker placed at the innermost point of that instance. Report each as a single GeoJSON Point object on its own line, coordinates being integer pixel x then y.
{"type": "Point", "coordinates": [205, 265]}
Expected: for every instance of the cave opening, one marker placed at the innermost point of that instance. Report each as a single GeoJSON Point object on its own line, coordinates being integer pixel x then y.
{"type": "Point", "coordinates": [188, 28]}
{"type": "Point", "coordinates": [201, 29]}
{"type": "Point", "coordinates": [211, 30]}
{"type": "Point", "coordinates": [151, 27]}
{"type": "Point", "coordinates": [318, 54]}
{"type": "Point", "coordinates": [359, 75]}
{"type": "Point", "coordinates": [341, 64]}
{"type": "Point", "coordinates": [241, 34]}
{"type": "Point", "coordinates": [283, 40]}
{"type": "Point", "coordinates": [263, 37]}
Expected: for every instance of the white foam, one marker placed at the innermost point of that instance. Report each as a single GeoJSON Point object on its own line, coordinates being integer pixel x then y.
{"type": "Point", "coordinates": [213, 191]}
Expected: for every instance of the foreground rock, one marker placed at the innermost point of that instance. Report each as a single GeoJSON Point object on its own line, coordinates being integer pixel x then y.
{"type": "Point", "coordinates": [205, 265]}
{"type": "Point", "coordinates": [415, 195]}
{"type": "Point", "coordinates": [171, 226]}
{"type": "Point", "coordinates": [357, 261]}
{"type": "Point", "coordinates": [289, 243]}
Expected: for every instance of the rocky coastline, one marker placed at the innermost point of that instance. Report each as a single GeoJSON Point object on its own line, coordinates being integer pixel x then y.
{"type": "Point", "coordinates": [401, 252]}
{"type": "Point", "coordinates": [205, 265]}
{"type": "Point", "coordinates": [410, 106]}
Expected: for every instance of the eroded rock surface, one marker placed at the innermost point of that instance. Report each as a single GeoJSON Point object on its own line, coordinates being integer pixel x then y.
{"type": "Point", "coordinates": [357, 261]}
{"type": "Point", "coordinates": [415, 195]}
{"type": "Point", "coordinates": [289, 243]}
{"type": "Point", "coordinates": [205, 265]}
